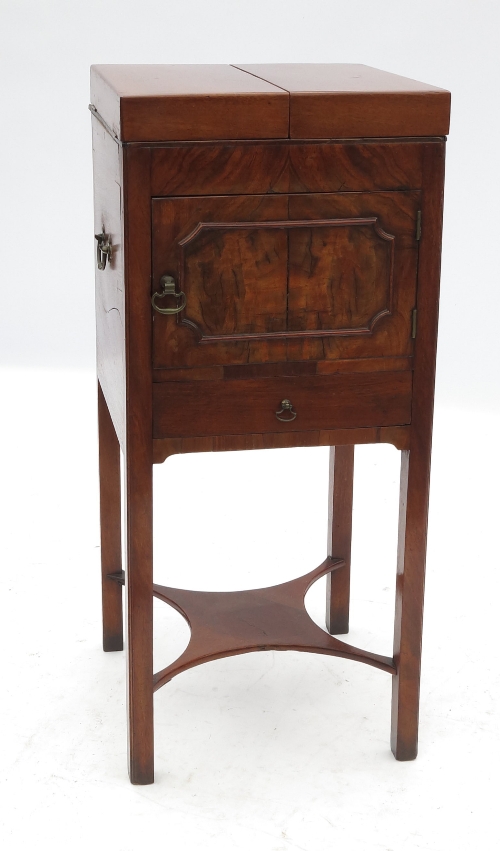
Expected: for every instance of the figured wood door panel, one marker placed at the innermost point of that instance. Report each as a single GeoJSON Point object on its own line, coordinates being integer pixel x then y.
{"type": "Point", "coordinates": [364, 275]}
{"type": "Point", "coordinates": [286, 277]}
{"type": "Point", "coordinates": [340, 277]}
{"type": "Point", "coordinates": [234, 278]}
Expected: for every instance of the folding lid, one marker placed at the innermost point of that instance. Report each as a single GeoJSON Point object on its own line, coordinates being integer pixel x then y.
{"type": "Point", "coordinates": [350, 101]}
{"type": "Point", "coordinates": [154, 103]}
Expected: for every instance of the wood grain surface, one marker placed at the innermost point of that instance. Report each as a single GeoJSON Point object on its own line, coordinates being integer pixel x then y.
{"type": "Point", "coordinates": [148, 103]}
{"type": "Point", "coordinates": [258, 169]}
{"type": "Point", "coordinates": [110, 517]}
{"type": "Point", "coordinates": [231, 623]}
{"type": "Point", "coordinates": [109, 286]}
{"type": "Point", "coordinates": [340, 493]}
{"type": "Point", "coordinates": [262, 285]}
{"type": "Point", "coordinates": [341, 101]}
{"type": "Point", "coordinates": [163, 448]}
{"type": "Point", "coordinates": [226, 624]}
{"type": "Point", "coordinates": [203, 408]}
{"type": "Point", "coordinates": [157, 103]}
{"type": "Point", "coordinates": [138, 467]}
{"type": "Point", "coordinates": [272, 369]}
{"type": "Point", "coordinates": [415, 472]}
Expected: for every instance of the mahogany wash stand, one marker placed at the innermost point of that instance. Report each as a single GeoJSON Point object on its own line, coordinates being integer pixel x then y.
{"type": "Point", "coordinates": [268, 253]}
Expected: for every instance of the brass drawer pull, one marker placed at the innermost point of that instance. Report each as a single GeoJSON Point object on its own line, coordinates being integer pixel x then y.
{"type": "Point", "coordinates": [167, 285]}
{"type": "Point", "coordinates": [286, 406]}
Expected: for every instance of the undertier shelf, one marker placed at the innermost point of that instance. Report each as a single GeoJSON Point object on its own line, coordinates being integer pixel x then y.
{"type": "Point", "coordinates": [228, 623]}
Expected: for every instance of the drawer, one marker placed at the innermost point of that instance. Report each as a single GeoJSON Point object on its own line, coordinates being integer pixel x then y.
{"type": "Point", "coordinates": [263, 168]}
{"type": "Point", "coordinates": [249, 406]}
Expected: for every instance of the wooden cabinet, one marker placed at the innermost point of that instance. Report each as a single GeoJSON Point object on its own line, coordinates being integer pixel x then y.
{"type": "Point", "coordinates": [268, 242]}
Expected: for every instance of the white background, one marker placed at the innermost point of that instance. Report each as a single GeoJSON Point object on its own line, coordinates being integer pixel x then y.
{"type": "Point", "coordinates": [268, 751]}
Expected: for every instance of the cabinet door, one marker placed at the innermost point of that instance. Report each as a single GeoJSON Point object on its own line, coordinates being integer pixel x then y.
{"type": "Point", "coordinates": [285, 277]}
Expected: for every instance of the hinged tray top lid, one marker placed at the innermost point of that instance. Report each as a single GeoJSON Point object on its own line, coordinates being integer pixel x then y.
{"type": "Point", "coordinates": [356, 101]}
{"type": "Point", "coordinates": [161, 103]}
{"type": "Point", "coordinates": [155, 103]}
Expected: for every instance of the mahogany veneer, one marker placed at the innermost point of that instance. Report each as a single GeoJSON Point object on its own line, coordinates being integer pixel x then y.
{"type": "Point", "coordinates": [339, 101]}
{"type": "Point", "coordinates": [268, 250]}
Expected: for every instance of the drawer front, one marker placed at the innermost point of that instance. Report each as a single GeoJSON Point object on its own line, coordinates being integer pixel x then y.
{"type": "Point", "coordinates": [263, 168]}
{"type": "Point", "coordinates": [250, 406]}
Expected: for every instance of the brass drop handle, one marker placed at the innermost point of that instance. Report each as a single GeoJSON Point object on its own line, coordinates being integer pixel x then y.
{"type": "Point", "coordinates": [286, 407]}
{"type": "Point", "coordinates": [167, 287]}
{"type": "Point", "coordinates": [104, 249]}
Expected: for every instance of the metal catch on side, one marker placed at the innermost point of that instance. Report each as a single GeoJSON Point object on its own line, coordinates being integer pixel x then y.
{"type": "Point", "coordinates": [104, 249]}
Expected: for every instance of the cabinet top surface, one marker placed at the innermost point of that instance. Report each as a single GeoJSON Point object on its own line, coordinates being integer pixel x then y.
{"type": "Point", "coordinates": [155, 103]}
{"type": "Point", "coordinates": [335, 78]}
{"type": "Point", "coordinates": [170, 80]}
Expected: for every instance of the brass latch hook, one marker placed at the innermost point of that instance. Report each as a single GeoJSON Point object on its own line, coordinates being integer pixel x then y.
{"type": "Point", "coordinates": [104, 249]}
{"type": "Point", "coordinates": [167, 287]}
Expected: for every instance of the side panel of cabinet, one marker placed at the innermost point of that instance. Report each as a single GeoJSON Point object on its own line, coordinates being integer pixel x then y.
{"type": "Point", "coordinates": [110, 295]}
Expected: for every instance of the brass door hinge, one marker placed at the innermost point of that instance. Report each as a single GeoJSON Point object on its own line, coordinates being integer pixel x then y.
{"type": "Point", "coordinates": [418, 232]}
{"type": "Point", "coordinates": [414, 323]}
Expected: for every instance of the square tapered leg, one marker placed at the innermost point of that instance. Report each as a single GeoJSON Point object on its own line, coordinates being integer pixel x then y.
{"type": "Point", "coordinates": [139, 607]}
{"type": "Point", "coordinates": [339, 538]}
{"type": "Point", "coordinates": [111, 555]}
{"type": "Point", "coordinates": [415, 469]}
